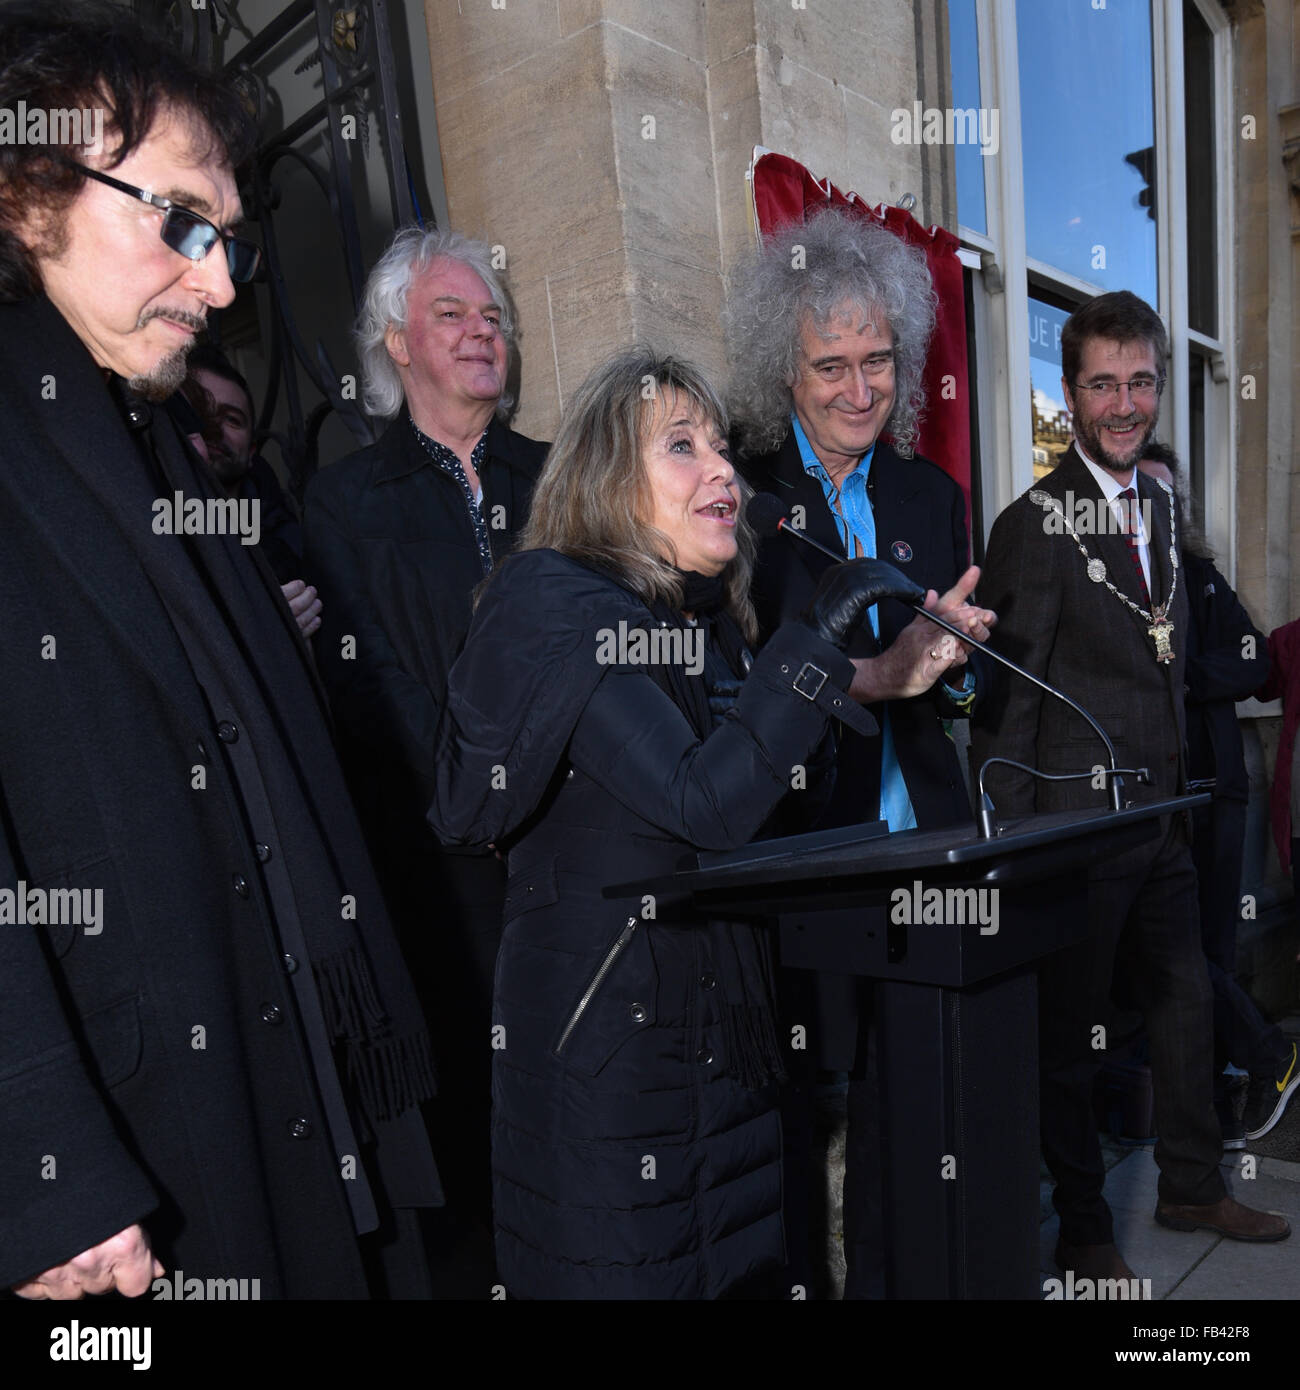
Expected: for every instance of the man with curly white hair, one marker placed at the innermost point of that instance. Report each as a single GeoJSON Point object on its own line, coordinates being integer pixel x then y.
{"type": "Point", "coordinates": [397, 537]}
{"type": "Point", "coordinates": [829, 322]}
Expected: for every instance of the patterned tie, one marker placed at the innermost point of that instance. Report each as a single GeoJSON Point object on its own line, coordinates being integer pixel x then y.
{"type": "Point", "coordinates": [1130, 530]}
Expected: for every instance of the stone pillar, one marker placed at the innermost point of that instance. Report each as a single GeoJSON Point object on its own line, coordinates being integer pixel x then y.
{"type": "Point", "coordinates": [1267, 267]}
{"type": "Point", "coordinates": [604, 143]}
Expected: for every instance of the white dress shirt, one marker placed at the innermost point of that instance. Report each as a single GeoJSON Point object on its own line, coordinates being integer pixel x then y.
{"type": "Point", "coordinates": [1111, 487]}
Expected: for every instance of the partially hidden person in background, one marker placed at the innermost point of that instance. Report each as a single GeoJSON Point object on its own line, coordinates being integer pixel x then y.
{"type": "Point", "coordinates": [1227, 658]}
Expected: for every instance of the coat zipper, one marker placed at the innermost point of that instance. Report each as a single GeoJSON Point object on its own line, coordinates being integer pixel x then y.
{"type": "Point", "coordinates": [588, 994]}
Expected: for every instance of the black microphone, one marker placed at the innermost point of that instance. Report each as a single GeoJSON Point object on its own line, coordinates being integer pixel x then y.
{"type": "Point", "coordinates": [767, 517]}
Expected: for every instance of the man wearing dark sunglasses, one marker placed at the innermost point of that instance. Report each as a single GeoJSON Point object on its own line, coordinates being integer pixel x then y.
{"type": "Point", "coordinates": [219, 1068]}
{"type": "Point", "coordinates": [186, 231]}
{"type": "Point", "coordinates": [134, 275]}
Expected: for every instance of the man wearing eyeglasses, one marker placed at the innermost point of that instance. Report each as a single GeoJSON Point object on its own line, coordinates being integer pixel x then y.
{"type": "Point", "coordinates": [211, 1057]}
{"type": "Point", "coordinates": [1102, 614]}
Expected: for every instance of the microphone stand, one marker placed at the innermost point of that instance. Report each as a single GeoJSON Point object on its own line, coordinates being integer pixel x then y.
{"type": "Point", "coordinates": [987, 827]}
{"type": "Point", "coordinates": [1114, 780]}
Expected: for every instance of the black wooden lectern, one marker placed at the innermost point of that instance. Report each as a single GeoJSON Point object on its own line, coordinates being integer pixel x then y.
{"type": "Point", "coordinates": [956, 1009]}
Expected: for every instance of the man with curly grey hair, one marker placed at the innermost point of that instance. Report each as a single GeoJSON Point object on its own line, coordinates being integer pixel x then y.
{"type": "Point", "coordinates": [397, 536]}
{"type": "Point", "coordinates": [829, 322]}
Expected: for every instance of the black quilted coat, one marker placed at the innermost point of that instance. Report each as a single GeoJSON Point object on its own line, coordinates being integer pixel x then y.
{"type": "Point", "coordinates": [636, 1154]}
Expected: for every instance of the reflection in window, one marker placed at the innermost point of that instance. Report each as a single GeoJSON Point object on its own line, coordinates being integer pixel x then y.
{"type": "Point", "coordinates": [1088, 134]}
{"type": "Point", "coordinates": [1202, 250]}
{"type": "Point", "coordinates": [963, 52]}
{"type": "Point", "coordinates": [1051, 415]}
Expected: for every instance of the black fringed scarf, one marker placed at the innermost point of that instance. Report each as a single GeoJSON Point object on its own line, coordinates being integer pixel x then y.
{"type": "Point", "coordinates": [376, 1031]}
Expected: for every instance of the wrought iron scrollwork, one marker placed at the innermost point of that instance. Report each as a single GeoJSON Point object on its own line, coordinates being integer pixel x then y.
{"type": "Point", "coordinates": [354, 52]}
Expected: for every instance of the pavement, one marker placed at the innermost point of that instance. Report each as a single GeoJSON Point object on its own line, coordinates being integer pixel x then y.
{"type": "Point", "coordinates": [1201, 1265]}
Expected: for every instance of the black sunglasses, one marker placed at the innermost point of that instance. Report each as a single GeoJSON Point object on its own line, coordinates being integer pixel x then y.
{"type": "Point", "coordinates": [188, 233]}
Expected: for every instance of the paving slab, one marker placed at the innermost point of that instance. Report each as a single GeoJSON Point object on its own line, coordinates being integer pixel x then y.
{"type": "Point", "coordinates": [1198, 1265]}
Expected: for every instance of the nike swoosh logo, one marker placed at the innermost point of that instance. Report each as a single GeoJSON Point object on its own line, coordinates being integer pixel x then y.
{"type": "Point", "coordinates": [1281, 1085]}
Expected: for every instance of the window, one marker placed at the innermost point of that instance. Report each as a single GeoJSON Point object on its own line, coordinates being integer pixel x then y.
{"type": "Point", "coordinates": [1110, 173]}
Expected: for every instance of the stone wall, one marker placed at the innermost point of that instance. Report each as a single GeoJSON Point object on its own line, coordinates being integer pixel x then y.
{"type": "Point", "coordinates": [604, 143]}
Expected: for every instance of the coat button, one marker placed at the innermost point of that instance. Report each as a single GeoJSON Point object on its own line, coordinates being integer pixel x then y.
{"type": "Point", "coordinates": [271, 1013]}
{"type": "Point", "coordinates": [227, 732]}
{"type": "Point", "coordinates": [300, 1128]}
{"type": "Point", "coordinates": [290, 963]}
{"type": "Point", "coordinates": [240, 885]}
{"type": "Point", "coordinates": [709, 980]}
{"type": "Point", "coordinates": [263, 853]}
{"type": "Point", "coordinates": [705, 1056]}
{"type": "Point", "coordinates": [638, 1013]}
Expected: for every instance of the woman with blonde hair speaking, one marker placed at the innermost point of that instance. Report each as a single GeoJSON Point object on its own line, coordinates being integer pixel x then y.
{"type": "Point", "coordinates": [604, 719]}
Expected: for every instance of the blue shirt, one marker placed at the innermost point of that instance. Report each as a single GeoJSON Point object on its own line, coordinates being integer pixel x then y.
{"type": "Point", "coordinates": [857, 528]}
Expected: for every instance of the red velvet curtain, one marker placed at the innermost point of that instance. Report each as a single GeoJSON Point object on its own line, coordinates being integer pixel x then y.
{"type": "Point", "coordinates": [784, 191]}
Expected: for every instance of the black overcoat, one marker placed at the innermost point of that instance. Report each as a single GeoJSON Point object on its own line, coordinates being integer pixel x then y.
{"type": "Point", "coordinates": [393, 554]}
{"type": "Point", "coordinates": [390, 548]}
{"type": "Point", "coordinates": [629, 1161]}
{"type": "Point", "coordinates": [158, 1069]}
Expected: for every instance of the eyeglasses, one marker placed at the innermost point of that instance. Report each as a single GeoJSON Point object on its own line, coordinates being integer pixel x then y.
{"type": "Point", "coordinates": [1144, 387]}
{"type": "Point", "coordinates": [185, 231]}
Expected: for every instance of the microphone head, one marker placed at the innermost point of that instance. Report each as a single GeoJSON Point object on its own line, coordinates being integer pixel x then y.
{"type": "Point", "coordinates": [765, 514]}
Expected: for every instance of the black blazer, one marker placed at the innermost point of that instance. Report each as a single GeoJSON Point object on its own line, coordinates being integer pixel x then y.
{"type": "Point", "coordinates": [1074, 633]}
{"type": "Point", "coordinates": [921, 528]}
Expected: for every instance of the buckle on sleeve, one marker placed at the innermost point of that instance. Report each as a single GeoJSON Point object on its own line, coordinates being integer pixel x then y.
{"type": "Point", "coordinates": [810, 680]}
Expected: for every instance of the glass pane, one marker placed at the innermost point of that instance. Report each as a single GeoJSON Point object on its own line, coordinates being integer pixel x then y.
{"type": "Point", "coordinates": [1087, 121]}
{"type": "Point", "coordinates": [1051, 416]}
{"type": "Point", "coordinates": [963, 53]}
{"type": "Point", "coordinates": [1197, 370]}
{"type": "Point", "coordinates": [1202, 213]}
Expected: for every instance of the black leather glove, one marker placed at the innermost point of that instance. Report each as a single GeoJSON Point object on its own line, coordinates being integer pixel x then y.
{"type": "Point", "coordinates": [847, 590]}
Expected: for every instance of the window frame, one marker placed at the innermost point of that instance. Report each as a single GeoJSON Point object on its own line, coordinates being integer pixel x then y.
{"type": "Point", "coordinates": [1003, 275]}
